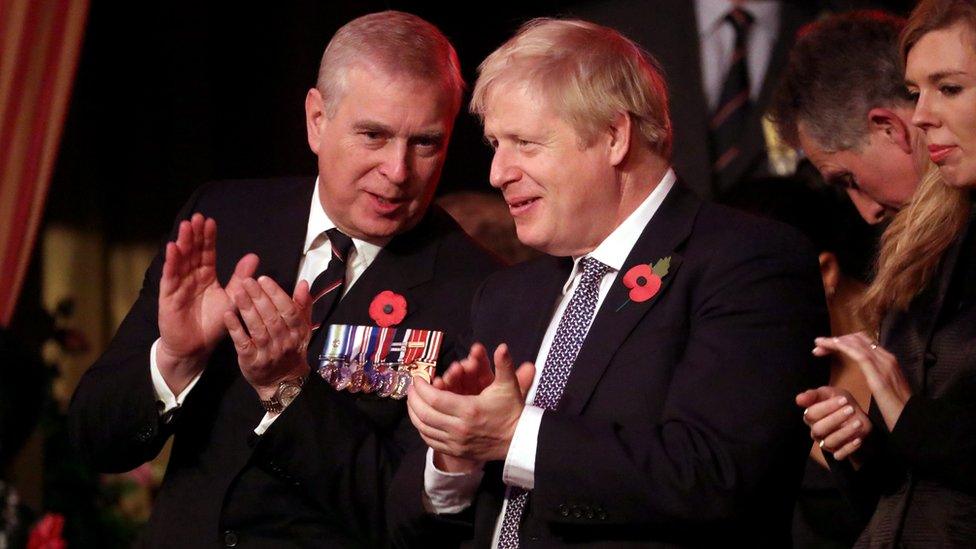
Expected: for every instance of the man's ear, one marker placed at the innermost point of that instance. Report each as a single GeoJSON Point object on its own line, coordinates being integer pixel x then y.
{"type": "Point", "coordinates": [891, 126]}
{"type": "Point", "coordinates": [315, 118]}
{"type": "Point", "coordinates": [620, 136]}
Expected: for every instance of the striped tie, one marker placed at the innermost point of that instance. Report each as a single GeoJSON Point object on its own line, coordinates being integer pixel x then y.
{"type": "Point", "coordinates": [729, 120]}
{"type": "Point", "coordinates": [327, 288]}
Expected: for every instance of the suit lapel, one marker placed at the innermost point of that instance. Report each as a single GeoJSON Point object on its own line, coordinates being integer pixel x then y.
{"type": "Point", "coordinates": [669, 227]}
{"type": "Point", "coordinates": [921, 319]}
{"type": "Point", "coordinates": [405, 263]}
{"type": "Point", "coordinates": [281, 233]}
{"type": "Point", "coordinates": [536, 307]}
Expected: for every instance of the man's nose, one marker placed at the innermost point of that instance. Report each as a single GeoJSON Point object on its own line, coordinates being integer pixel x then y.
{"type": "Point", "coordinates": [871, 211]}
{"type": "Point", "coordinates": [503, 169]}
{"type": "Point", "coordinates": [395, 165]}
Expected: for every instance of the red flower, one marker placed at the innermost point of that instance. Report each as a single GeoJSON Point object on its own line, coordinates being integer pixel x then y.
{"type": "Point", "coordinates": [643, 283]}
{"type": "Point", "coordinates": [388, 309]}
{"type": "Point", "coordinates": [46, 533]}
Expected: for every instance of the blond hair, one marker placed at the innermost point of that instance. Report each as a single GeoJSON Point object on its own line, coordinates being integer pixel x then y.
{"type": "Point", "coordinates": [590, 74]}
{"type": "Point", "coordinates": [913, 245]}
{"type": "Point", "coordinates": [397, 43]}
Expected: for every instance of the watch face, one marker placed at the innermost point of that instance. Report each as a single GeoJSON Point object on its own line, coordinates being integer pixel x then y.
{"type": "Point", "coordinates": [288, 393]}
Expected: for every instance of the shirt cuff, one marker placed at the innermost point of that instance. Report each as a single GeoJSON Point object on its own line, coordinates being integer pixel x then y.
{"type": "Point", "coordinates": [448, 492]}
{"type": "Point", "coordinates": [266, 422]}
{"type": "Point", "coordinates": [163, 393]}
{"type": "Point", "coordinates": [520, 462]}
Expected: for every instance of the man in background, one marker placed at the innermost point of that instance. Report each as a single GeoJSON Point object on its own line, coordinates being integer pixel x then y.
{"type": "Point", "coordinates": [843, 101]}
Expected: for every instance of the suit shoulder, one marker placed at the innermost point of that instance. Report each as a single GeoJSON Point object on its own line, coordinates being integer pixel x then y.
{"type": "Point", "coordinates": [251, 191]}
{"type": "Point", "coordinates": [519, 280]}
{"type": "Point", "coordinates": [731, 231]}
{"type": "Point", "coordinates": [464, 253]}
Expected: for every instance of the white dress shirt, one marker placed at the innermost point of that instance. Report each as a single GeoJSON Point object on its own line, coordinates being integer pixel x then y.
{"type": "Point", "coordinates": [453, 492]}
{"type": "Point", "coordinates": [316, 255]}
{"type": "Point", "coordinates": [716, 38]}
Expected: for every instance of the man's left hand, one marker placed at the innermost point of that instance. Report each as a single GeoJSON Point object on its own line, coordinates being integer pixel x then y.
{"type": "Point", "coordinates": [272, 349]}
{"type": "Point", "coordinates": [474, 427]}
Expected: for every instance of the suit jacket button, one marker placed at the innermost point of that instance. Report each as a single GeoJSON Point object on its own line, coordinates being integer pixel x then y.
{"type": "Point", "coordinates": [146, 433]}
{"type": "Point", "coordinates": [230, 538]}
{"type": "Point", "coordinates": [563, 510]}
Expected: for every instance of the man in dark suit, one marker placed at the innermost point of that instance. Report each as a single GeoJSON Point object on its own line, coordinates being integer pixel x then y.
{"type": "Point", "coordinates": [265, 452]}
{"type": "Point", "coordinates": [695, 42]}
{"type": "Point", "coordinates": [660, 339]}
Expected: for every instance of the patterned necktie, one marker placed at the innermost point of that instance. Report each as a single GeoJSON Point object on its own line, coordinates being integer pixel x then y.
{"type": "Point", "coordinates": [326, 289]}
{"type": "Point", "coordinates": [566, 344]}
{"type": "Point", "coordinates": [729, 120]}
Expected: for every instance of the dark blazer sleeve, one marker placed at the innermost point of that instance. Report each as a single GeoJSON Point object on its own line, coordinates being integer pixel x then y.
{"type": "Point", "coordinates": [729, 426]}
{"type": "Point", "coordinates": [408, 521]}
{"type": "Point", "coordinates": [937, 436]}
{"type": "Point", "coordinates": [113, 417]}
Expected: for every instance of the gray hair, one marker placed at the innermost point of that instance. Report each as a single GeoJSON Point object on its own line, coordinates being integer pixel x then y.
{"type": "Point", "coordinates": [395, 42]}
{"type": "Point", "coordinates": [840, 68]}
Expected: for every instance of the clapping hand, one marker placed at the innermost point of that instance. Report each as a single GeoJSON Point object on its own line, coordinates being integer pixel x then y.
{"type": "Point", "coordinates": [273, 347]}
{"type": "Point", "coordinates": [192, 302]}
{"type": "Point", "coordinates": [477, 422]}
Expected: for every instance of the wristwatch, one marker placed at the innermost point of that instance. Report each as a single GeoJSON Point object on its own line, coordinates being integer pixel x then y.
{"type": "Point", "coordinates": [287, 391]}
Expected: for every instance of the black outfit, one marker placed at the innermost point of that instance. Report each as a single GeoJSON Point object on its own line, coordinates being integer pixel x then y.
{"type": "Point", "coordinates": [677, 425]}
{"type": "Point", "coordinates": [318, 475]}
{"type": "Point", "coordinates": [668, 30]}
{"type": "Point", "coordinates": [925, 469]}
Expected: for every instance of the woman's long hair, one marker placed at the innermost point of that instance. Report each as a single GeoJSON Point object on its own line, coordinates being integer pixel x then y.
{"type": "Point", "coordinates": [913, 245]}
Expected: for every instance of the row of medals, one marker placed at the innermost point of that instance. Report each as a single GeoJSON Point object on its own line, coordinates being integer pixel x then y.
{"type": "Point", "coordinates": [382, 378]}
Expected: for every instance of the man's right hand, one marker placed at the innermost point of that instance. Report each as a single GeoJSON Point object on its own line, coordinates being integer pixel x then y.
{"type": "Point", "coordinates": [192, 302]}
{"type": "Point", "coordinates": [469, 376]}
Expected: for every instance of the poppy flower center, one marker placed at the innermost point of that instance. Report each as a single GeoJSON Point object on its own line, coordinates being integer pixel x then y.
{"type": "Point", "coordinates": [388, 308]}
{"type": "Point", "coordinates": [641, 281]}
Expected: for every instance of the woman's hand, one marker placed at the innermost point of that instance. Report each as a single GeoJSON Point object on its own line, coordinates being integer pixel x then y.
{"type": "Point", "coordinates": [836, 422]}
{"type": "Point", "coordinates": [880, 368]}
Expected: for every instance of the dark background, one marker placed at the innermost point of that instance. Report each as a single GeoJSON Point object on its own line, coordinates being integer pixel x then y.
{"type": "Point", "coordinates": [172, 94]}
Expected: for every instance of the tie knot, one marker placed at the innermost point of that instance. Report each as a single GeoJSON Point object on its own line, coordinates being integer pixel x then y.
{"type": "Point", "coordinates": [340, 243]}
{"type": "Point", "coordinates": [593, 270]}
{"type": "Point", "coordinates": [741, 20]}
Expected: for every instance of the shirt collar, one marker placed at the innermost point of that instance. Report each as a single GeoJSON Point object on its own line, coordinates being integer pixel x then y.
{"type": "Point", "coordinates": [319, 222]}
{"type": "Point", "coordinates": [615, 248]}
{"type": "Point", "coordinates": [711, 12]}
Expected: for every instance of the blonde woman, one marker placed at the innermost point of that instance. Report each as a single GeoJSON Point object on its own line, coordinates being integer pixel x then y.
{"type": "Point", "coordinates": [914, 453]}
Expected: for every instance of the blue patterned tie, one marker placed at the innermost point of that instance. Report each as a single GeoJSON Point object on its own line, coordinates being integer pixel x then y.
{"type": "Point", "coordinates": [566, 344]}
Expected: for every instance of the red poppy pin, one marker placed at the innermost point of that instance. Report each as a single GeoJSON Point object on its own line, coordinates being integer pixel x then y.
{"type": "Point", "coordinates": [644, 280]}
{"type": "Point", "coordinates": [388, 309]}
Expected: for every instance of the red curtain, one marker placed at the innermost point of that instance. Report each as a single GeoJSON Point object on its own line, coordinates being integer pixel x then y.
{"type": "Point", "coordinates": [40, 41]}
